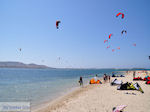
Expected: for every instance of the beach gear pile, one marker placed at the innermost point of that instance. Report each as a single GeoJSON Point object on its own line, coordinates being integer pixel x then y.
{"type": "Point", "coordinates": [117, 75]}
{"type": "Point", "coordinates": [137, 78]}
{"type": "Point", "coordinates": [146, 78]}
{"type": "Point", "coordinates": [148, 82]}
{"type": "Point", "coordinates": [130, 86]}
{"type": "Point", "coordinates": [92, 81]}
{"type": "Point", "coordinates": [116, 82]}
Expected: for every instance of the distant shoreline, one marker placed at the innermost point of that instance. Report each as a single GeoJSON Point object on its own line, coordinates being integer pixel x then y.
{"type": "Point", "coordinates": [11, 64]}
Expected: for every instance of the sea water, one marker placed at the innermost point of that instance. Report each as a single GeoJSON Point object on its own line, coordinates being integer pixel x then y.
{"type": "Point", "coordinates": [40, 85]}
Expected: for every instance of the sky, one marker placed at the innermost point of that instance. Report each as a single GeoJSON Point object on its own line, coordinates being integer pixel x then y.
{"type": "Point", "coordinates": [79, 41]}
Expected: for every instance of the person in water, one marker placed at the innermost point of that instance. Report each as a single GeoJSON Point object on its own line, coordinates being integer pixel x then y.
{"type": "Point", "coordinates": [81, 81]}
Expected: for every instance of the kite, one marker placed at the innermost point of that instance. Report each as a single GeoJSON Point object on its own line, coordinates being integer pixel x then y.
{"type": "Point", "coordinates": [57, 24]}
{"type": "Point", "coordinates": [108, 46]}
{"type": "Point", "coordinates": [124, 31]}
{"type": "Point", "coordinates": [134, 44]}
{"type": "Point", "coordinates": [110, 36]}
{"type": "Point", "coordinates": [120, 14]}
{"type": "Point", "coordinates": [105, 41]}
{"type": "Point", "coordinates": [118, 48]}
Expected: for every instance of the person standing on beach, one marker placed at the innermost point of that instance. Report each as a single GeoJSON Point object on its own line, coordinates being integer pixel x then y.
{"type": "Point", "coordinates": [134, 74]}
{"type": "Point", "coordinates": [104, 77]}
{"type": "Point", "coordinates": [81, 81]}
{"type": "Point", "coordinates": [109, 78]}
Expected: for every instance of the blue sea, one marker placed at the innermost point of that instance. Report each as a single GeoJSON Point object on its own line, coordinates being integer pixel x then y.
{"type": "Point", "coordinates": [40, 85]}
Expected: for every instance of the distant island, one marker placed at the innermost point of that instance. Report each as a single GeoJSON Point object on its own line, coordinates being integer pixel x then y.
{"type": "Point", "coordinates": [10, 64]}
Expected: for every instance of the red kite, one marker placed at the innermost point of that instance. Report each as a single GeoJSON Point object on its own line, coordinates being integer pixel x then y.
{"type": "Point", "coordinates": [120, 14]}
{"type": "Point", "coordinates": [57, 24]}
{"type": "Point", "coordinates": [110, 36]}
{"type": "Point", "coordinates": [105, 41]}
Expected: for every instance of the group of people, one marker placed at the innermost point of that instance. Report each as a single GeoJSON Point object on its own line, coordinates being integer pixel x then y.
{"type": "Point", "coordinates": [105, 77]}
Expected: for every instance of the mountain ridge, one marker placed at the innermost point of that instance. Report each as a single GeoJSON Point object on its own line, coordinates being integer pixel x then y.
{"type": "Point", "coordinates": [15, 64]}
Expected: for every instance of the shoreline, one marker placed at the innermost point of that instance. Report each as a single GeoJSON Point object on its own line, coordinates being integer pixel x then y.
{"type": "Point", "coordinates": [63, 96]}
{"type": "Point", "coordinates": [60, 101]}
{"type": "Point", "coordinates": [82, 98]}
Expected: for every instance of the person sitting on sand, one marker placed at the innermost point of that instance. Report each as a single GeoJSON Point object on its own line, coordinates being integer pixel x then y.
{"type": "Point", "coordinates": [96, 78]}
{"type": "Point", "coordinates": [81, 81]}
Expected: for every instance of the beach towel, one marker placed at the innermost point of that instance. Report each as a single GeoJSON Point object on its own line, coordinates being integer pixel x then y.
{"type": "Point", "coordinates": [119, 108]}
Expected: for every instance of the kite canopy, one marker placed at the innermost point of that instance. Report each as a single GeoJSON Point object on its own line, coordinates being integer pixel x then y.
{"type": "Point", "coordinates": [134, 44]}
{"type": "Point", "coordinates": [110, 36]}
{"type": "Point", "coordinates": [105, 41]}
{"type": "Point", "coordinates": [116, 82]}
{"type": "Point", "coordinates": [118, 48]}
{"type": "Point", "coordinates": [130, 86]}
{"type": "Point", "coordinates": [57, 24]}
{"type": "Point", "coordinates": [108, 46]}
{"type": "Point", "coordinates": [120, 14]}
{"type": "Point", "coordinates": [124, 31]}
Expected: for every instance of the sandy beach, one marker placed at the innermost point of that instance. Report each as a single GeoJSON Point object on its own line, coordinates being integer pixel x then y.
{"type": "Point", "coordinates": [102, 98]}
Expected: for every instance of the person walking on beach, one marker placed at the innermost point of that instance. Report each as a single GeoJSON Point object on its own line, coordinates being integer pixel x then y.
{"type": "Point", "coordinates": [81, 81]}
{"type": "Point", "coordinates": [109, 78]}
